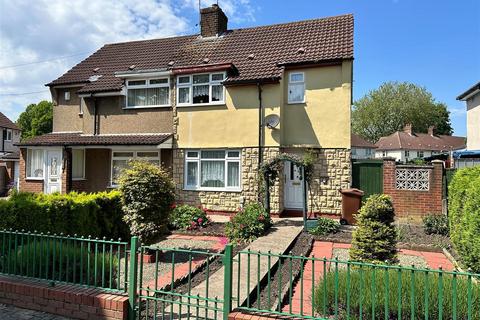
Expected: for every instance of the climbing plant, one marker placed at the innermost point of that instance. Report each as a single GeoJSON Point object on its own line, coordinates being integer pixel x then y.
{"type": "Point", "coordinates": [270, 169]}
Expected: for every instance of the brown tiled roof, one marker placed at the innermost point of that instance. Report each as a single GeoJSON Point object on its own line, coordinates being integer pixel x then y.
{"type": "Point", "coordinates": [322, 40]}
{"type": "Point", "coordinates": [10, 156]}
{"type": "Point", "coordinates": [7, 123]}
{"type": "Point", "coordinates": [359, 142]}
{"type": "Point", "coordinates": [78, 139]}
{"type": "Point", "coordinates": [420, 141]}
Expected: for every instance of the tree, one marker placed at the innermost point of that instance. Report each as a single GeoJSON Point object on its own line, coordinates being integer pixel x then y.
{"type": "Point", "coordinates": [393, 105]}
{"type": "Point", "coordinates": [36, 120]}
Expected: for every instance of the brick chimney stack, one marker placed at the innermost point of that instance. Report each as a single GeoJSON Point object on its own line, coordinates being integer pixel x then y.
{"type": "Point", "coordinates": [213, 22]}
{"type": "Point", "coordinates": [408, 128]}
{"type": "Point", "coordinates": [430, 130]}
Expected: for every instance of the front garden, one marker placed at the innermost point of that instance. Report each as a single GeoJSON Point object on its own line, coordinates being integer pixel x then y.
{"type": "Point", "coordinates": [381, 268]}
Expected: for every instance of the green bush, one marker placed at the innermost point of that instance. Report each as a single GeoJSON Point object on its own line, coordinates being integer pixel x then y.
{"type": "Point", "coordinates": [70, 262]}
{"type": "Point", "coordinates": [464, 215]}
{"type": "Point", "coordinates": [375, 239]}
{"type": "Point", "coordinates": [187, 217]}
{"type": "Point", "coordinates": [325, 226]}
{"type": "Point", "coordinates": [148, 193]}
{"type": "Point", "coordinates": [367, 290]}
{"type": "Point", "coordinates": [435, 224]}
{"type": "Point", "coordinates": [96, 214]}
{"type": "Point", "coordinates": [248, 224]}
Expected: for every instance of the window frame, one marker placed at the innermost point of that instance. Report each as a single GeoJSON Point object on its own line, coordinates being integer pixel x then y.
{"type": "Point", "coordinates": [148, 85]}
{"type": "Point", "coordinates": [226, 160]}
{"type": "Point", "coordinates": [83, 169]}
{"type": "Point", "coordinates": [407, 154]}
{"type": "Point", "coordinates": [67, 95]}
{"type": "Point", "coordinates": [9, 131]}
{"type": "Point", "coordinates": [420, 154]}
{"type": "Point", "coordinates": [134, 157]}
{"type": "Point", "coordinates": [289, 101]}
{"type": "Point", "coordinates": [27, 176]}
{"type": "Point", "coordinates": [190, 85]}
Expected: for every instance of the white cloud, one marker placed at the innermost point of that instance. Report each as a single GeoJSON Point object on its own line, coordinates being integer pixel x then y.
{"type": "Point", "coordinates": [47, 29]}
{"type": "Point", "coordinates": [458, 111]}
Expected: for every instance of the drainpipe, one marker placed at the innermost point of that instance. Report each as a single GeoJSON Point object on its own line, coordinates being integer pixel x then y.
{"type": "Point", "coordinates": [95, 116]}
{"type": "Point", "coordinates": [69, 168]}
{"type": "Point", "coordinates": [4, 134]}
{"type": "Point", "coordinates": [260, 125]}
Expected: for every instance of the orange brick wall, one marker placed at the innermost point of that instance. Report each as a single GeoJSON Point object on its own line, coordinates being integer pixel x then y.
{"type": "Point", "coordinates": [414, 203]}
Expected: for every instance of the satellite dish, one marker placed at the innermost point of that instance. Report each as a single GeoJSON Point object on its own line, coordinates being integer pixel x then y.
{"type": "Point", "coordinates": [272, 121]}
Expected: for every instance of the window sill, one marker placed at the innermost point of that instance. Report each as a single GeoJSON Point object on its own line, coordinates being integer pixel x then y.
{"type": "Point", "coordinates": [212, 189]}
{"type": "Point", "coordinates": [147, 107]}
{"type": "Point", "coordinates": [296, 102]}
{"type": "Point", "coordinates": [34, 179]}
{"type": "Point", "coordinates": [201, 104]}
{"type": "Point", "coordinates": [79, 179]}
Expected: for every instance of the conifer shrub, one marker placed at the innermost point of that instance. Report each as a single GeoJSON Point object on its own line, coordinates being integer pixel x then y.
{"type": "Point", "coordinates": [375, 238]}
{"type": "Point", "coordinates": [464, 215]}
{"type": "Point", "coordinates": [148, 193]}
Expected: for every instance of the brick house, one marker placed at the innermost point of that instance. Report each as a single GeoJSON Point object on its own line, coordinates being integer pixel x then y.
{"type": "Point", "coordinates": [203, 106]}
{"type": "Point", "coordinates": [9, 153]}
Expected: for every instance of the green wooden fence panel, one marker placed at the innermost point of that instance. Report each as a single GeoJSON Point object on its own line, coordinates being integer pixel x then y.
{"type": "Point", "coordinates": [367, 175]}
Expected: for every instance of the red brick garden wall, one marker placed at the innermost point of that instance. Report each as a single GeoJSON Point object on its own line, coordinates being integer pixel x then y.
{"type": "Point", "coordinates": [414, 203]}
{"type": "Point", "coordinates": [70, 301]}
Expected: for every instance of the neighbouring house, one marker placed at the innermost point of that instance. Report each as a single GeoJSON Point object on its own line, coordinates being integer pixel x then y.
{"type": "Point", "coordinates": [209, 107]}
{"type": "Point", "coordinates": [471, 156]}
{"type": "Point", "coordinates": [9, 154]}
{"type": "Point", "coordinates": [407, 145]}
{"type": "Point", "coordinates": [361, 148]}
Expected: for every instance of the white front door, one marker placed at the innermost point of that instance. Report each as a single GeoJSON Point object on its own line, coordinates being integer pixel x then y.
{"type": "Point", "coordinates": [53, 178]}
{"type": "Point", "coordinates": [293, 186]}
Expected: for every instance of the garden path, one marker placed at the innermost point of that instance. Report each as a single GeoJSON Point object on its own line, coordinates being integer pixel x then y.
{"type": "Point", "coordinates": [278, 240]}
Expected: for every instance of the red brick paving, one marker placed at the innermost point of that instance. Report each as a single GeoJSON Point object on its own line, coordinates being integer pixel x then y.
{"type": "Point", "coordinates": [323, 249]}
{"type": "Point", "coordinates": [182, 271]}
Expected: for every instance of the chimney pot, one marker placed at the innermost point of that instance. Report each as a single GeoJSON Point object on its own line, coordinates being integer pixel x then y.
{"type": "Point", "coordinates": [213, 21]}
{"type": "Point", "coordinates": [408, 128]}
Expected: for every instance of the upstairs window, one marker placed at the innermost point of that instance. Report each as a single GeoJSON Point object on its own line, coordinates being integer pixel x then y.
{"type": "Point", "coordinates": [296, 87]}
{"type": "Point", "coordinates": [147, 93]}
{"type": "Point", "coordinates": [206, 88]}
{"type": "Point", "coordinates": [8, 135]}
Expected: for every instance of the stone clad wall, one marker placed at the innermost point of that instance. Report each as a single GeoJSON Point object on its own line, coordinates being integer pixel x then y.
{"type": "Point", "coordinates": [332, 172]}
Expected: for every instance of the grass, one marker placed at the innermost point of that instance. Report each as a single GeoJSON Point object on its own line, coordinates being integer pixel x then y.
{"type": "Point", "coordinates": [395, 293]}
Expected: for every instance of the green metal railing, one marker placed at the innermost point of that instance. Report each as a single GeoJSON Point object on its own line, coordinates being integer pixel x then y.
{"type": "Point", "coordinates": [78, 260]}
{"type": "Point", "coordinates": [312, 288]}
{"type": "Point", "coordinates": [166, 290]}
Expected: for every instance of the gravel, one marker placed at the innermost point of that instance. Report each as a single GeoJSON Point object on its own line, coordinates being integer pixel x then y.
{"type": "Point", "coordinates": [405, 260]}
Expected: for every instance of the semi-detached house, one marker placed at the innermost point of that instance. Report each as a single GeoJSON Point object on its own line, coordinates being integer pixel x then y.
{"type": "Point", "coordinates": [198, 105]}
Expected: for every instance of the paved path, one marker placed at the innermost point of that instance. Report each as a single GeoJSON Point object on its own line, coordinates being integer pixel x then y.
{"type": "Point", "coordinates": [8, 312]}
{"type": "Point", "coordinates": [282, 234]}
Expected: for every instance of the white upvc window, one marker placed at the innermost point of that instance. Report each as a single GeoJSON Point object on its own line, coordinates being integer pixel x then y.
{"type": "Point", "coordinates": [368, 152]}
{"type": "Point", "coordinates": [200, 89]}
{"type": "Point", "coordinates": [212, 170]}
{"type": "Point", "coordinates": [8, 135]}
{"type": "Point", "coordinates": [120, 160]}
{"type": "Point", "coordinates": [421, 154]}
{"type": "Point", "coordinates": [384, 153]}
{"type": "Point", "coordinates": [67, 96]}
{"type": "Point", "coordinates": [407, 154]}
{"type": "Point", "coordinates": [35, 164]}
{"type": "Point", "coordinates": [148, 93]}
{"type": "Point", "coordinates": [78, 164]}
{"type": "Point", "coordinates": [296, 87]}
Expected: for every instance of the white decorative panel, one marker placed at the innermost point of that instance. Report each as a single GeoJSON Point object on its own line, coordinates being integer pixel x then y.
{"type": "Point", "coordinates": [412, 179]}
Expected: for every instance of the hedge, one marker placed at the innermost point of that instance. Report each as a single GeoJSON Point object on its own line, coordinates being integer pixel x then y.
{"type": "Point", "coordinates": [96, 214]}
{"type": "Point", "coordinates": [464, 215]}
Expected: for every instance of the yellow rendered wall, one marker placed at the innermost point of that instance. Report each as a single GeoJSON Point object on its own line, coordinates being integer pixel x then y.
{"type": "Point", "coordinates": [322, 121]}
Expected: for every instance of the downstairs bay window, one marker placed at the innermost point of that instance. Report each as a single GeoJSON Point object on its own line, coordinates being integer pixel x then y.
{"type": "Point", "coordinates": [120, 161]}
{"type": "Point", "coordinates": [212, 170]}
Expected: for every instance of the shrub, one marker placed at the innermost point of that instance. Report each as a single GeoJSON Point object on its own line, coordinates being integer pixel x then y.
{"type": "Point", "coordinates": [464, 215]}
{"type": "Point", "coordinates": [187, 217]}
{"type": "Point", "coordinates": [375, 238]}
{"type": "Point", "coordinates": [248, 224]}
{"type": "Point", "coordinates": [367, 289]}
{"type": "Point", "coordinates": [435, 224]}
{"type": "Point", "coordinates": [97, 214]}
{"type": "Point", "coordinates": [45, 259]}
{"type": "Point", "coordinates": [148, 193]}
{"type": "Point", "coordinates": [325, 226]}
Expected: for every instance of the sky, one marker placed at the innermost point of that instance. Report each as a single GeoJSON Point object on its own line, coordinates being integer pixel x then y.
{"type": "Point", "coordinates": [435, 44]}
